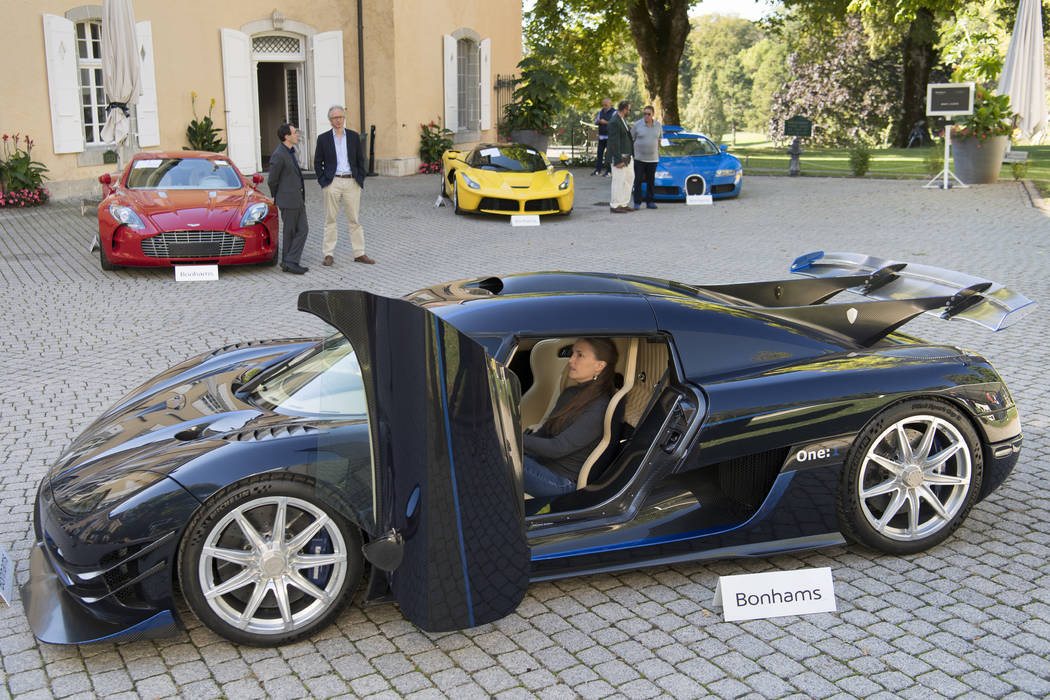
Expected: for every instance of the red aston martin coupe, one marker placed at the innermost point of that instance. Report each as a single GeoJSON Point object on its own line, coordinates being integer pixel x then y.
{"type": "Point", "coordinates": [184, 207]}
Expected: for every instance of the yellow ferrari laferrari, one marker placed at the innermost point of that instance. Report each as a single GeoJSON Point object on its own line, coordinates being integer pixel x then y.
{"type": "Point", "coordinates": [507, 178]}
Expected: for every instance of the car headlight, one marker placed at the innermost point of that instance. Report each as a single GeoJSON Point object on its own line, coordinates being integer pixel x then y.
{"type": "Point", "coordinates": [79, 496]}
{"type": "Point", "coordinates": [662, 175]}
{"type": "Point", "coordinates": [126, 216]}
{"type": "Point", "coordinates": [566, 182]}
{"type": "Point", "coordinates": [470, 183]}
{"type": "Point", "coordinates": [725, 172]}
{"type": "Point", "coordinates": [255, 213]}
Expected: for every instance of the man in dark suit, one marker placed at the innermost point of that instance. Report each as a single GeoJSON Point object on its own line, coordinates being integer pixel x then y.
{"type": "Point", "coordinates": [339, 162]}
{"type": "Point", "coordinates": [286, 188]}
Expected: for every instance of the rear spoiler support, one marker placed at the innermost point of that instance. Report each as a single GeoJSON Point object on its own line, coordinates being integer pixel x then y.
{"type": "Point", "coordinates": [970, 298]}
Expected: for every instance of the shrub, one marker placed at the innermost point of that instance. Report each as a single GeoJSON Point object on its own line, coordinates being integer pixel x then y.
{"type": "Point", "coordinates": [934, 159]}
{"type": "Point", "coordinates": [859, 158]}
{"type": "Point", "coordinates": [433, 141]}
{"type": "Point", "coordinates": [21, 177]}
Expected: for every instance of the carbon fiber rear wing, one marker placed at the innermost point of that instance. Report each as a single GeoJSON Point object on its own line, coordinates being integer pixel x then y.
{"type": "Point", "coordinates": [901, 292]}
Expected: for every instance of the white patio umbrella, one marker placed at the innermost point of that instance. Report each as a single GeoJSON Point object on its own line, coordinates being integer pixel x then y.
{"type": "Point", "coordinates": [1024, 71]}
{"type": "Point", "coordinates": [121, 67]}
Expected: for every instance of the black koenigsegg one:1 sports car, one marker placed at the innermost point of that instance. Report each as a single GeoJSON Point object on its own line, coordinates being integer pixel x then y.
{"type": "Point", "coordinates": [261, 480]}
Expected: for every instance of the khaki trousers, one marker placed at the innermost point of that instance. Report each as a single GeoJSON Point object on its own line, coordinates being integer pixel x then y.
{"type": "Point", "coordinates": [346, 192]}
{"type": "Point", "coordinates": [622, 185]}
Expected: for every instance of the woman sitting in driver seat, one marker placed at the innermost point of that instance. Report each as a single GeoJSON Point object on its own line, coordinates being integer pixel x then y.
{"type": "Point", "coordinates": [555, 453]}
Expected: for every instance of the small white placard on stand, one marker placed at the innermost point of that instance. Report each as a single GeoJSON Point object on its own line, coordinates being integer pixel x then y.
{"type": "Point", "coordinates": [7, 578]}
{"type": "Point", "coordinates": [775, 594]}
{"type": "Point", "coordinates": [692, 199]}
{"type": "Point", "coordinates": [525, 220]}
{"type": "Point", "coordinates": [196, 273]}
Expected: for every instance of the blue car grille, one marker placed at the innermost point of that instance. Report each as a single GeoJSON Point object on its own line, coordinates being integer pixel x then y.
{"type": "Point", "coordinates": [192, 244]}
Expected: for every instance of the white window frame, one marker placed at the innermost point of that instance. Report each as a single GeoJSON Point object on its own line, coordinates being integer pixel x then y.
{"type": "Point", "coordinates": [92, 109]}
{"type": "Point", "coordinates": [478, 111]}
{"type": "Point", "coordinates": [65, 90]}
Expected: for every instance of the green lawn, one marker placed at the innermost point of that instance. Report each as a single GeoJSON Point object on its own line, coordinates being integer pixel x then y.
{"type": "Point", "coordinates": [761, 157]}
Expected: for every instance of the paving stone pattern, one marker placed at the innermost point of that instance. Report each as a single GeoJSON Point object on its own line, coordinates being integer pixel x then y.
{"type": "Point", "coordinates": [971, 618]}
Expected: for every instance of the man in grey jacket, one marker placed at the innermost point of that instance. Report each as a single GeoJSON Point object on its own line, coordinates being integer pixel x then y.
{"type": "Point", "coordinates": [289, 194]}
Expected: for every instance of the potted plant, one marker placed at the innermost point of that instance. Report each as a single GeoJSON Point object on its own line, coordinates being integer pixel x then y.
{"type": "Point", "coordinates": [537, 99]}
{"type": "Point", "coordinates": [979, 140]}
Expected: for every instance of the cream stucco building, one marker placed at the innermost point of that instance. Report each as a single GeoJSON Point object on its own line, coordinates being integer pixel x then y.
{"type": "Point", "coordinates": [392, 63]}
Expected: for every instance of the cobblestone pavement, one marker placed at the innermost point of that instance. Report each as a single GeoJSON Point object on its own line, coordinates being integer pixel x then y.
{"type": "Point", "coordinates": [969, 618]}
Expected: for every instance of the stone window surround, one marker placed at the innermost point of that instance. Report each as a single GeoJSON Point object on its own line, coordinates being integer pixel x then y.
{"type": "Point", "coordinates": [466, 135]}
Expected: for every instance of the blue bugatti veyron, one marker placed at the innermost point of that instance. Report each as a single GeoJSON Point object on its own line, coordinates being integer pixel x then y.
{"type": "Point", "coordinates": [691, 163]}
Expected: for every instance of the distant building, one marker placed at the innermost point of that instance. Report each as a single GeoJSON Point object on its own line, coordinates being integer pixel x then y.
{"type": "Point", "coordinates": [421, 62]}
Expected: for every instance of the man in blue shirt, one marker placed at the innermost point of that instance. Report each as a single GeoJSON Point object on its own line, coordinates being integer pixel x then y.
{"type": "Point", "coordinates": [339, 163]}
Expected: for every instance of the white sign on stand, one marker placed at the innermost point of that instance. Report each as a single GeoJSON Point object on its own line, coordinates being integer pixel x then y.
{"type": "Point", "coordinates": [196, 273]}
{"type": "Point", "coordinates": [948, 100]}
{"type": "Point", "coordinates": [7, 578]}
{"type": "Point", "coordinates": [692, 199]}
{"type": "Point", "coordinates": [525, 220]}
{"type": "Point", "coordinates": [775, 594]}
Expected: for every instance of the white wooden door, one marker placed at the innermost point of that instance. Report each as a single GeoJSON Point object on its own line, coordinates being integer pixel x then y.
{"type": "Point", "coordinates": [238, 78]}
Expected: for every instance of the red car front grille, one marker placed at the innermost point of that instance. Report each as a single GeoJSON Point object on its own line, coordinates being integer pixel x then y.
{"type": "Point", "coordinates": [192, 244]}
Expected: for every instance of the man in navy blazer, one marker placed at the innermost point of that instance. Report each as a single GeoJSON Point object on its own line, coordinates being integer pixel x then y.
{"type": "Point", "coordinates": [339, 163]}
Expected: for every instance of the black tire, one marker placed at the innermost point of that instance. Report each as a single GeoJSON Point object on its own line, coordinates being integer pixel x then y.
{"type": "Point", "coordinates": [455, 195]}
{"type": "Point", "coordinates": [103, 261]}
{"type": "Point", "coordinates": [903, 501]}
{"type": "Point", "coordinates": [216, 549]}
{"type": "Point", "coordinates": [272, 261]}
{"type": "Point", "coordinates": [441, 184]}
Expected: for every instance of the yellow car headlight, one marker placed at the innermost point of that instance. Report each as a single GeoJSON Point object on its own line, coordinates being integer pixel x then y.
{"type": "Point", "coordinates": [566, 182]}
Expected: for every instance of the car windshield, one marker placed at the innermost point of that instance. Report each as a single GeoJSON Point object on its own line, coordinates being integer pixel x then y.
{"type": "Point", "coordinates": [325, 380]}
{"type": "Point", "coordinates": [698, 146]}
{"type": "Point", "coordinates": [183, 174]}
{"type": "Point", "coordinates": [514, 157]}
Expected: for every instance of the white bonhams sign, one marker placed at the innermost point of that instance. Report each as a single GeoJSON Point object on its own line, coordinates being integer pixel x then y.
{"type": "Point", "coordinates": [775, 594]}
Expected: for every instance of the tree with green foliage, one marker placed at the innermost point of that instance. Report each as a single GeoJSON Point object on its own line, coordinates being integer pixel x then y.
{"type": "Point", "coordinates": [720, 100]}
{"type": "Point", "coordinates": [905, 28]}
{"type": "Point", "coordinates": [589, 32]}
{"type": "Point", "coordinates": [848, 95]}
{"type": "Point", "coordinates": [767, 65]}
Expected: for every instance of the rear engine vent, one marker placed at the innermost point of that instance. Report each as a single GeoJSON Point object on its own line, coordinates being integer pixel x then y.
{"type": "Point", "coordinates": [274, 433]}
{"type": "Point", "coordinates": [747, 480]}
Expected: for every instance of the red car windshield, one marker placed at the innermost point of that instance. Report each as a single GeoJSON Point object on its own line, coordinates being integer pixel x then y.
{"type": "Point", "coordinates": [182, 174]}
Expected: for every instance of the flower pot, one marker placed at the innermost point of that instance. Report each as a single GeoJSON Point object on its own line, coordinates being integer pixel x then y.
{"type": "Point", "coordinates": [977, 161]}
{"type": "Point", "coordinates": [531, 138]}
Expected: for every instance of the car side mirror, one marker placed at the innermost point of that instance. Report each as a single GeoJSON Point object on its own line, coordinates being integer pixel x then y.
{"type": "Point", "coordinates": [724, 148]}
{"type": "Point", "coordinates": [257, 178]}
{"type": "Point", "coordinates": [105, 179]}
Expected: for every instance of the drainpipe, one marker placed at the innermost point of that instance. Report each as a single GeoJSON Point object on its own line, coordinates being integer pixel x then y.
{"type": "Point", "coordinates": [361, 61]}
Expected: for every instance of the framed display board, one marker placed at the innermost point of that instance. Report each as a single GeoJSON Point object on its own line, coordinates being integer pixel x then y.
{"type": "Point", "coordinates": [947, 99]}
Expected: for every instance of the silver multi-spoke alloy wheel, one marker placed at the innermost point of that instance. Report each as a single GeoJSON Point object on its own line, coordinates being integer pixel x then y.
{"type": "Point", "coordinates": [915, 478]}
{"type": "Point", "coordinates": [267, 561]}
{"type": "Point", "coordinates": [911, 477]}
{"type": "Point", "coordinates": [269, 565]}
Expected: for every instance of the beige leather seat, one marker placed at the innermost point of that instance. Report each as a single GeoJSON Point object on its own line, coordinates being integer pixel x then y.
{"type": "Point", "coordinates": [548, 378]}
{"type": "Point", "coordinates": [626, 366]}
